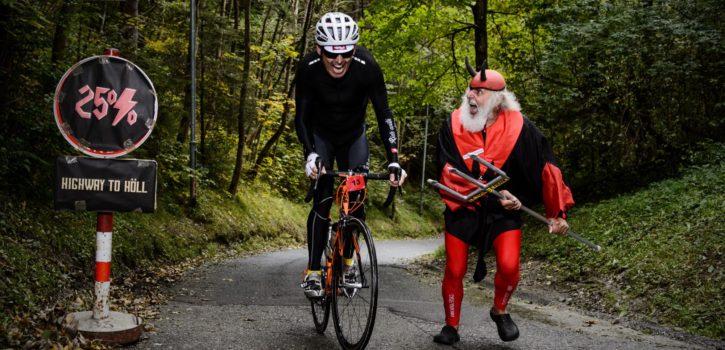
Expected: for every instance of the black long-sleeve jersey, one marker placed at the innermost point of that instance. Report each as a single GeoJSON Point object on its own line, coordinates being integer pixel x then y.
{"type": "Point", "coordinates": [334, 109]}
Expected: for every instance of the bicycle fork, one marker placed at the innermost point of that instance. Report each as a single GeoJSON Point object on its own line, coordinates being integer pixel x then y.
{"type": "Point", "coordinates": [329, 251]}
{"type": "Point", "coordinates": [336, 248]}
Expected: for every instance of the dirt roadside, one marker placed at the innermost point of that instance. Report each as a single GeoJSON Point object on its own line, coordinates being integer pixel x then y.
{"type": "Point", "coordinates": [538, 294]}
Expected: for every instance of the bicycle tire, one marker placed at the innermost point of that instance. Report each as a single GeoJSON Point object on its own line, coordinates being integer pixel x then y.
{"type": "Point", "coordinates": [320, 313]}
{"type": "Point", "coordinates": [321, 307]}
{"type": "Point", "coordinates": [354, 309]}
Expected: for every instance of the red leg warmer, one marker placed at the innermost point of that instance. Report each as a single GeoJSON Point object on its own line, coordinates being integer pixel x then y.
{"type": "Point", "coordinates": [508, 248]}
{"type": "Point", "coordinates": [456, 266]}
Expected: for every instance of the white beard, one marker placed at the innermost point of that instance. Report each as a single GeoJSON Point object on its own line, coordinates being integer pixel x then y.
{"type": "Point", "coordinates": [477, 121]}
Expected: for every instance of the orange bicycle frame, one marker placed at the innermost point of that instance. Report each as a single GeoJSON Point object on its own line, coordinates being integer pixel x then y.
{"type": "Point", "coordinates": [350, 183]}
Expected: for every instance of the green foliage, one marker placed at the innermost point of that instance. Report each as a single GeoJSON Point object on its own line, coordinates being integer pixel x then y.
{"type": "Point", "coordinates": [620, 88]}
{"type": "Point", "coordinates": [626, 92]}
{"type": "Point", "coordinates": [217, 157]}
{"type": "Point", "coordinates": [47, 256]}
{"type": "Point", "coordinates": [412, 43]}
{"type": "Point", "coordinates": [402, 218]}
{"type": "Point", "coordinates": [623, 90]}
{"type": "Point", "coordinates": [663, 251]}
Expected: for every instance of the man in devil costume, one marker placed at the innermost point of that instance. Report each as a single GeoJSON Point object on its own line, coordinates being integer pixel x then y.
{"type": "Point", "coordinates": [489, 122]}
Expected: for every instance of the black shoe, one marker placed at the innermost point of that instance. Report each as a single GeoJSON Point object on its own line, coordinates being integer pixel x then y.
{"type": "Point", "coordinates": [507, 329]}
{"type": "Point", "coordinates": [448, 336]}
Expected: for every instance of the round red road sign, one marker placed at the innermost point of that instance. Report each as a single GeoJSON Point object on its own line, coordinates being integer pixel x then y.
{"type": "Point", "coordinates": [105, 106]}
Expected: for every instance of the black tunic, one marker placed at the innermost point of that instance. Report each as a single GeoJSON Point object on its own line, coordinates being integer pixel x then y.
{"type": "Point", "coordinates": [513, 144]}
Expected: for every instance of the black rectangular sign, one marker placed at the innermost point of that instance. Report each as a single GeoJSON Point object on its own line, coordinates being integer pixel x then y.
{"type": "Point", "coordinates": [113, 185]}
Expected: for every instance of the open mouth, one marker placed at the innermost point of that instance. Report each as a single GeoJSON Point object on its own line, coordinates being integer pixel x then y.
{"type": "Point", "coordinates": [472, 107]}
{"type": "Point", "coordinates": [338, 68]}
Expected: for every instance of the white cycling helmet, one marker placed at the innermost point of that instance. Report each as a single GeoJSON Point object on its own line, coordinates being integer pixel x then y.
{"type": "Point", "coordinates": [337, 32]}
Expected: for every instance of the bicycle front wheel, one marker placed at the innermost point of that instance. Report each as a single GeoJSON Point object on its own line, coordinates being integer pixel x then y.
{"type": "Point", "coordinates": [355, 300]}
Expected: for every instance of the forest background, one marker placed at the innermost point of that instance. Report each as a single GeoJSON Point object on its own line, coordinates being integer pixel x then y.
{"type": "Point", "coordinates": [629, 94]}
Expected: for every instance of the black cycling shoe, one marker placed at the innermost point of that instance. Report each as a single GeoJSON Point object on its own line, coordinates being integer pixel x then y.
{"type": "Point", "coordinates": [507, 329]}
{"type": "Point", "coordinates": [448, 336]}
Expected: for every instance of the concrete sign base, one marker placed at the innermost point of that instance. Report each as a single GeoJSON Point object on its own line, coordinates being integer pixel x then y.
{"type": "Point", "coordinates": [117, 328]}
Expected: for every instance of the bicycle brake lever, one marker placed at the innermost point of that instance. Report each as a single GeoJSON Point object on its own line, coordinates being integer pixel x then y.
{"type": "Point", "coordinates": [313, 184]}
{"type": "Point", "coordinates": [318, 164]}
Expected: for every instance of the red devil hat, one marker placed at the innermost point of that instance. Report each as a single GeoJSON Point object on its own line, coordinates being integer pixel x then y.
{"type": "Point", "coordinates": [489, 80]}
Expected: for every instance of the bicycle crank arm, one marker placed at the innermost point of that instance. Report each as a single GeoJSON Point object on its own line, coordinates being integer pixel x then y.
{"type": "Point", "coordinates": [356, 285]}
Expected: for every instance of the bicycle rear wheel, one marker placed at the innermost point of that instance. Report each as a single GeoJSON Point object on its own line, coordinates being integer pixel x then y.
{"type": "Point", "coordinates": [320, 313]}
{"type": "Point", "coordinates": [354, 308]}
{"type": "Point", "coordinates": [321, 307]}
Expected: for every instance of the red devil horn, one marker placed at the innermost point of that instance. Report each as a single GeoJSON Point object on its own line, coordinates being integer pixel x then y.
{"type": "Point", "coordinates": [471, 71]}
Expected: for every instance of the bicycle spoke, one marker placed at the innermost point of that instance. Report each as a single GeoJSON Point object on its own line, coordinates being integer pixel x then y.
{"type": "Point", "coordinates": [321, 310]}
{"type": "Point", "coordinates": [354, 309]}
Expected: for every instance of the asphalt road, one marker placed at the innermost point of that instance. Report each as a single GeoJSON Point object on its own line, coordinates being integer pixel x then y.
{"type": "Point", "coordinates": [256, 303]}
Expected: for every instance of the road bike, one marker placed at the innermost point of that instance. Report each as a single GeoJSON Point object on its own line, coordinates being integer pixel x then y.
{"type": "Point", "coordinates": [353, 301]}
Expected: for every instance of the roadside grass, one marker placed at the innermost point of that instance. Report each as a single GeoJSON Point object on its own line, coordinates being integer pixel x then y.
{"type": "Point", "coordinates": [47, 257]}
{"type": "Point", "coordinates": [663, 256]}
{"type": "Point", "coordinates": [406, 220]}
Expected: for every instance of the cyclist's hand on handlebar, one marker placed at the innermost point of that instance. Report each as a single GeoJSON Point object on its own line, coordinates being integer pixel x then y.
{"type": "Point", "coordinates": [397, 175]}
{"type": "Point", "coordinates": [311, 169]}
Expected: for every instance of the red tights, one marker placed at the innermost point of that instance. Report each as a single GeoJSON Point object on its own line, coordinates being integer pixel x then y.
{"type": "Point", "coordinates": [507, 247]}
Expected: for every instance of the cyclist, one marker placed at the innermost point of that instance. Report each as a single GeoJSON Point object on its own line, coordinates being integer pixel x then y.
{"type": "Point", "coordinates": [333, 86]}
{"type": "Point", "coordinates": [489, 121]}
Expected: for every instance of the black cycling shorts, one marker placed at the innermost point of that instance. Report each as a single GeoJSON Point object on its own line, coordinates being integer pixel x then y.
{"type": "Point", "coordinates": [348, 156]}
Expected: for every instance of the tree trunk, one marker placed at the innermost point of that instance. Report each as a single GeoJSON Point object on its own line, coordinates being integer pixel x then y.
{"type": "Point", "coordinates": [260, 67]}
{"type": "Point", "coordinates": [277, 134]}
{"type": "Point", "coordinates": [130, 8]}
{"type": "Point", "coordinates": [222, 15]}
{"type": "Point", "coordinates": [264, 26]}
{"type": "Point", "coordinates": [202, 90]}
{"type": "Point", "coordinates": [242, 101]}
{"type": "Point", "coordinates": [480, 9]}
{"type": "Point", "coordinates": [265, 92]}
{"type": "Point", "coordinates": [235, 9]}
{"type": "Point", "coordinates": [301, 47]}
{"type": "Point", "coordinates": [302, 44]}
{"type": "Point", "coordinates": [184, 122]}
{"type": "Point", "coordinates": [60, 37]}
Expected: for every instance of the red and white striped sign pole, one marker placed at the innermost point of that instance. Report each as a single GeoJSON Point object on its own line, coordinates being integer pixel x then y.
{"type": "Point", "coordinates": [104, 239]}
{"type": "Point", "coordinates": [101, 324]}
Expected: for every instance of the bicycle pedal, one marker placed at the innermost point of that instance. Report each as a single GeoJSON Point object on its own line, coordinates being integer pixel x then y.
{"type": "Point", "coordinates": [356, 285]}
